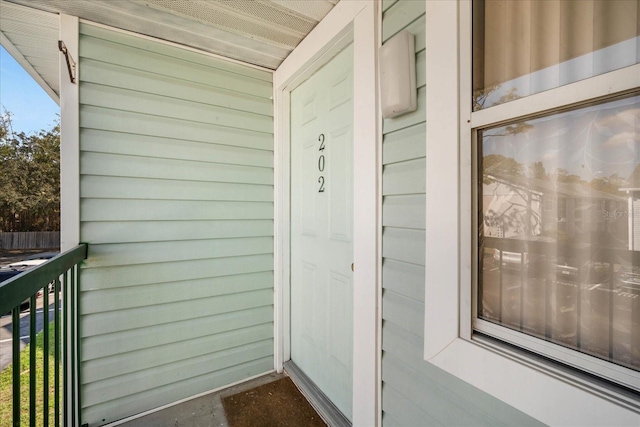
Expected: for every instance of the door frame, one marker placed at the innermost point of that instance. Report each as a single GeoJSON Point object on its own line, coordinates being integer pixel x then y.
{"type": "Point", "coordinates": [357, 22]}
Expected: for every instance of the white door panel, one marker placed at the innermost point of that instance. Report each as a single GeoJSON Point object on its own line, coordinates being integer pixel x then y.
{"type": "Point", "coordinates": [322, 228]}
{"type": "Point", "coordinates": [339, 165]}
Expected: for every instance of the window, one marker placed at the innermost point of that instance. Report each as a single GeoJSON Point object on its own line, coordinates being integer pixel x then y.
{"type": "Point", "coordinates": [456, 339]}
{"type": "Point", "coordinates": [566, 286]}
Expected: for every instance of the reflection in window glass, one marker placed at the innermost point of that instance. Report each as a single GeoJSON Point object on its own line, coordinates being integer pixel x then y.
{"type": "Point", "coordinates": [525, 47]}
{"type": "Point", "coordinates": [569, 275]}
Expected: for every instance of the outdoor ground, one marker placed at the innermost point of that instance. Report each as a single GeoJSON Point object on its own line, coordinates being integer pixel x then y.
{"type": "Point", "coordinates": [269, 400]}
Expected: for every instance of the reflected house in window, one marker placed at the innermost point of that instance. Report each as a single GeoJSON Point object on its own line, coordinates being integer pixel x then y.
{"type": "Point", "coordinates": [512, 207]}
{"type": "Point", "coordinates": [632, 191]}
{"type": "Point", "coordinates": [524, 207]}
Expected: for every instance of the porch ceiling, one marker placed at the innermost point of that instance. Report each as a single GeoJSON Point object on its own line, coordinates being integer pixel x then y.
{"type": "Point", "coordinates": [31, 37]}
{"type": "Point", "coordinates": [260, 32]}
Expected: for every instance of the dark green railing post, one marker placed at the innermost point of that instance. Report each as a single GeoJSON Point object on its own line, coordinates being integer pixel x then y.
{"type": "Point", "coordinates": [15, 319]}
{"type": "Point", "coordinates": [79, 347]}
{"type": "Point", "coordinates": [64, 349]}
{"type": "Point", "coordinates": [33, 311]}
{"type": "Point", "coordinates": [56, 352]}
{"type": "Point", "coordinates": [71, 345]}
{"type": "Point", "coordinates": [45, 361]}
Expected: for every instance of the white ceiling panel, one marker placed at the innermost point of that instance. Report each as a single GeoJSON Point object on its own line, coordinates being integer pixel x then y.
{"type": "Point", "coordinates": [259, 32]}
{"type": "Point", "coordinates": [31, 37]}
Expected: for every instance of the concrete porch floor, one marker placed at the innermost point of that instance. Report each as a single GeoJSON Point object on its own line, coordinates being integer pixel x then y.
{"type": "Point", "coordinates": [203, 411]}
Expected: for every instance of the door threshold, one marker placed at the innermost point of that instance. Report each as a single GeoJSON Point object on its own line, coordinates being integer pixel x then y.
{"type": "Point", "coordinates": [320, 402]}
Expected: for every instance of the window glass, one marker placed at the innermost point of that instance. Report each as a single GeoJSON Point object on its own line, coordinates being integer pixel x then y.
{"type": "Point", "coordinates": [524, 47]}
{"type": "Point", "coordinates": [559, 231]}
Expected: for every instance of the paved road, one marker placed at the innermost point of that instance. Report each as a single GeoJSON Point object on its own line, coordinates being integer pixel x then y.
{"type": "Point", "coordinates": [7, 257]}
{"type": "Point", "coordinates": [6, 330]}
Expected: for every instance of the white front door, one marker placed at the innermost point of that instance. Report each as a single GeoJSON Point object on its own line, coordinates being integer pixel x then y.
{"type": "Point", "coordinates": [322, 228]}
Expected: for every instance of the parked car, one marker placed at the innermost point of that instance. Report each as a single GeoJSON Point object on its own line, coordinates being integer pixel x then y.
{"type": "Point", "coordinates": [628, 279]}
{"type": "Point", "coordinates": [13, 269]}
{"type": "Point", "coordinates": [26, 263]}
{"type": "Point", "coordinates": [43, 255]}
{"type": "Point", "coordinates": [531, 263]}
{"type": "Point", "coordinates": [589, 275]}
{"type": "Point", "coordinates": [33, 261]}
{"type": "Point", "coordinates": [510, 260]}
{"type": "Point", "coordinates": [8, 273]}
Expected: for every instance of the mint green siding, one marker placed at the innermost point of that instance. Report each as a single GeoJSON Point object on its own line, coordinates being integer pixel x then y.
{"type": "Point", "coordinates": [176, 203]}
{"type": "Point", "coordinates": [414, 392]}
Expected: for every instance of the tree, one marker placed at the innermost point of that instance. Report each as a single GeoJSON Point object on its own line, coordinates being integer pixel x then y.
{"type": "Point", "coordinates": [29, 178]}
{"type": "Point", "coordinates": [563, 175]}
{"type": "Point", "coordinates": [497, 164]}
{"type": "Point", "coordinates": [609, 184]}
{"type": "Point", "coordinates": [480, 97]}
{"type": "Point", "coordinates": [538, 171]}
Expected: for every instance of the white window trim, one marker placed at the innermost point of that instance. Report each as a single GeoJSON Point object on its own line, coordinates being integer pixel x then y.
{"type": "Point", "coordinates": [536, 389]}
{"type": "Point", "coordinates": [355, 21]}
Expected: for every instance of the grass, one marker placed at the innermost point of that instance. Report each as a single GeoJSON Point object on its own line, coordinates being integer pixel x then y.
{"type": "Point", "coordinates": [6, 379]}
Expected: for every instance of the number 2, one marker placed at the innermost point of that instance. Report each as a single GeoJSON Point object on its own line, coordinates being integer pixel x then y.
{"type": "Point", "coordinates": [321, 163]}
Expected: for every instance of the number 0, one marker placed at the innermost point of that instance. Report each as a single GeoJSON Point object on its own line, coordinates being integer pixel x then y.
{"type": "Point", "coordinates": [321, 163]}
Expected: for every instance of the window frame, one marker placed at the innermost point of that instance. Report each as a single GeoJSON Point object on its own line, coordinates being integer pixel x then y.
{"type": "Point", "coordinates": [450, 268]}
{"type": "Point", "coordinates": [579, 360]}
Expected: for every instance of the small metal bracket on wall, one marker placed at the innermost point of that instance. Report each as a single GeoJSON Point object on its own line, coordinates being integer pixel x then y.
{"type": "Point", "coordinates": [71, 64]}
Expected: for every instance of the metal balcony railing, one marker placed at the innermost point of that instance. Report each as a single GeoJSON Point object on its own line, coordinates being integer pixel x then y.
{"type": "Point", "coordinates": [62, 272]}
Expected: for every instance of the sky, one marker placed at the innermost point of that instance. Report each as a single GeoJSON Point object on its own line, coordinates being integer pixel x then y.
{"type": "Point", "coordinates": [591, 142]}
{"type": "Point", "coordinates": [32, 108]}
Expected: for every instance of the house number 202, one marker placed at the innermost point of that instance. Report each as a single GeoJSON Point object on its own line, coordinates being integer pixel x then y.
{"type": "Point", "coordinates": [321, 163]}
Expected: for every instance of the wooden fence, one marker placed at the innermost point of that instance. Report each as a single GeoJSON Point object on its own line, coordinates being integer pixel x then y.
{"type": "Point", "coordinates": [30, 240]}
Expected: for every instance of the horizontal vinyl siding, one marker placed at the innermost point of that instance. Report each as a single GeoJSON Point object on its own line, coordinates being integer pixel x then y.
{"type": "Point", "coordinates": [414, 392]}
{"type": "Point", "coordinates": [176, 204]}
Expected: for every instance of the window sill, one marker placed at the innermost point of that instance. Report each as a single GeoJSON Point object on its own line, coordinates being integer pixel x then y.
{"type": "Point", "coordinates": [550, 393]}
